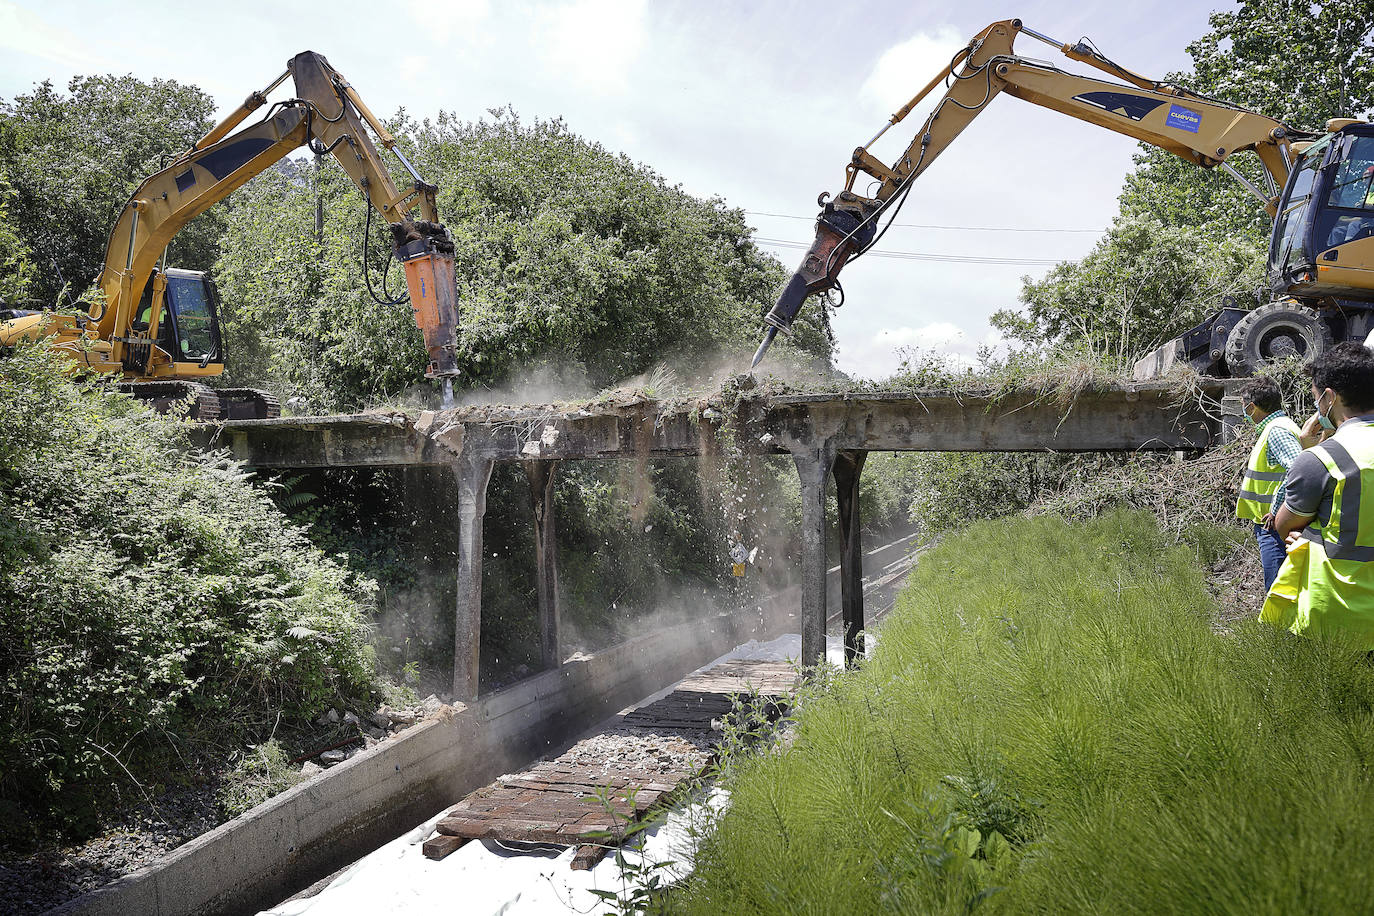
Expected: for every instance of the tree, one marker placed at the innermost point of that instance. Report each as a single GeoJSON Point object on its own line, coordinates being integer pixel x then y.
{"type": "Point", "coordinates": [570, 253]}
{"type": "Point", "coordinates": [297, 315]}
{"type": "Point", "coordinates": [1143, 283]}
{"type": "Point", "coordinates": [74, 160]}
{"type": "Point", "coordinates": [568, 257]}
{"type": "Point", "coordinates": [17, 273]}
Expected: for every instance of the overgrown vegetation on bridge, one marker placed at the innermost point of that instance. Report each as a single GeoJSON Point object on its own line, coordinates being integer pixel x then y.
{"type": "Point", "coordinates": [1051, 723]}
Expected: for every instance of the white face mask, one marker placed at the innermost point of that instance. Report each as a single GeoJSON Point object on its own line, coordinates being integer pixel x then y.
{"type": "Point", "coordinates": [1325, 418]}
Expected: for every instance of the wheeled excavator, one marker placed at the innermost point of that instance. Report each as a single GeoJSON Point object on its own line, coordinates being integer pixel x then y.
{"type": "Point", "coordinates": [158, 328]}
{"type": "Point", "coordinates": [1316, 186]}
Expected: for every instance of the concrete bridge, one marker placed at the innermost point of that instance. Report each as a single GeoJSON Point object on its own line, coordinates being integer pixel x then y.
{"type": "Point", "coordinates": [825, 435]}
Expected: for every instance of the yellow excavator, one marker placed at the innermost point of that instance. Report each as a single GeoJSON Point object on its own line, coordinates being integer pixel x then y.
{"type": "Point", "coordinates": [1316, 186]}
{"type": "Point", "coordinates": [158, 328]}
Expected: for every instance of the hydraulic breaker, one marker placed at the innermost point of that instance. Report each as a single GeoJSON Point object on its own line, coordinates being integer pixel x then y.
{"type": "Point", "coordinates": [844, 226]}
{"type": "Point", "coordinates": [426, 251]}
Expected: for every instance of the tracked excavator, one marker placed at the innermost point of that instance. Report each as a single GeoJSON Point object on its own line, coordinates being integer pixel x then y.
{"type": "Point", "coordinates": [1316, 186]}
{"type": "Point", "coordinates": [157, 328]}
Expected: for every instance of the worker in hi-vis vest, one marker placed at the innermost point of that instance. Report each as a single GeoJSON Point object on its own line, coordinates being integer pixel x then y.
{"type": "Point", "coordinates": [1261, 489]}
{"type": "Point", "coordinates": [1326, 584]}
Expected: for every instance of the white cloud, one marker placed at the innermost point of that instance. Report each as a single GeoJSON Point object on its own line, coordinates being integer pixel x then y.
{"type": "Point", "coordinates": [441, 21]}
{"type": "Point", "coordinates": [24, 32]}
{"type": "Point", "coordinates": [592, 44]}
{"type": "Point", "coordinates": [905, 68]}
{"type": "Point", "coordinates": [935, 334]}
{"type": "Point", "coordinates": [412, 65]}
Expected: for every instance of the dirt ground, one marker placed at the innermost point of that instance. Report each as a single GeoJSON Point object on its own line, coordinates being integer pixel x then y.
{"type": "Point", "coordinates": [1237, 583]}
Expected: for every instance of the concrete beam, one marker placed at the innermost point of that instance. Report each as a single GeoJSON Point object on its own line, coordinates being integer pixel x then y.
{"type": "Point", "coordinates": [366, 440]}
{"type": "Point", "coordinates": [1141, 417]}
{"type": "Point", "coordinates": [1149, 418]}
{"type": "Point", "coordinates": [813, 468]}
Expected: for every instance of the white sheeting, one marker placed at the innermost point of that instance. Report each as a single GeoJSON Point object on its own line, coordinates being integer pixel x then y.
{"type": "Point", "coordinates": [483, 878]}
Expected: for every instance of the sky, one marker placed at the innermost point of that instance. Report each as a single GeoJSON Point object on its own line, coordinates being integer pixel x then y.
{"type": "Point", "coordinates": [758, 102]}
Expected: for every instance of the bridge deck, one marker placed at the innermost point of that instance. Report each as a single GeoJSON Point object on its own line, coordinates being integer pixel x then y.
{"type": "Point", "coordinates": [826, 435]}
{"type": "Point", "coordinates": [1128, 418]}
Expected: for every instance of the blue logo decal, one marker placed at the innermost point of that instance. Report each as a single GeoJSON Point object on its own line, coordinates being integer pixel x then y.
{"type": "Point", "coordinates": [422, 289]}
{"type": "Point", "coordinates": [1125, 104]}
{"type": "Point", "coordinates": [1183, 119]}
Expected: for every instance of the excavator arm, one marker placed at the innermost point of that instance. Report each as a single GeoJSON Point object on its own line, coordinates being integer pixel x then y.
{"type": "Point", "coordinates": [1204, 131]}
{"type": "Point", "coordinates": [326, 114]}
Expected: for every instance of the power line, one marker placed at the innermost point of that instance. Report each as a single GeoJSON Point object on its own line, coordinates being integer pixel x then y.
{"type": "Point", "coordinates": [923, 226]}
{"type": "Point", "coordinates": [922, 256]}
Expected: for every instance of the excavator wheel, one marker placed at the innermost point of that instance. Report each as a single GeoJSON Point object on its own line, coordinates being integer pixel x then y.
{"type": "Point", "coordinates": [210, 404]}
{"type": "Point", "coordinates": [1279, 330]}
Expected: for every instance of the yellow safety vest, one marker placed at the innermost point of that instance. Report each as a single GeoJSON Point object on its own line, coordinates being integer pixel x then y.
{"type": "Point", "coordinates": [1326, 584]}
{"type": "Point", "coordinates": [1262, 476]}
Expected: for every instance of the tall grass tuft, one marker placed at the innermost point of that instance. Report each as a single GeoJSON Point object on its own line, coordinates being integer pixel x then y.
{"type": "Point", "coordinates": [1049, 724]}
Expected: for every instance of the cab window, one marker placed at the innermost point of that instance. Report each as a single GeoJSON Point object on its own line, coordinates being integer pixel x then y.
{"type": "Point", "coordinates": [1350, 185]}
{"type": "Point", "coordinates": [144, 316]}
{"type": "Point", "coordinates": [1293, 218]}
{"type": "Point", "coordinates": [1348, 213]}
{"type": "Point", "coordinates": [194, 319]}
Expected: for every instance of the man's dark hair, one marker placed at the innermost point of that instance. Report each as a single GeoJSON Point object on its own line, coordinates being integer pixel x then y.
{"type": "Point", "coordinates": [1347, 369]}
{"type": "Point", "coordinates": [1263, 393]}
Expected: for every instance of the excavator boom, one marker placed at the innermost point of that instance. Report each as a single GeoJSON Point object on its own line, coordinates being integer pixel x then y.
{"type": "Point", "coordinates": [1204, 131]}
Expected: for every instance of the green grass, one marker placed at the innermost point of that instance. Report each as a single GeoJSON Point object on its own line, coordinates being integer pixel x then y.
{"type": "Point", "coordinates": [1050, 725]}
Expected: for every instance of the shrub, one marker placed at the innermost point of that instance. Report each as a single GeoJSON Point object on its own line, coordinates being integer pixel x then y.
{"type": "Point", "coordinates": [1049, 724]}
{"type": "Point", "coordinates": [151, 600]}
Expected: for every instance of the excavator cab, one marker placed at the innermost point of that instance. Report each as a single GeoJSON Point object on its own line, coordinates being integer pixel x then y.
{"type": "Point", "coordinates": [188, 330]}
{"type": "Point", "coordinates": [1323, 241]}
{"type": "Point", "coordinates": [190, 319]}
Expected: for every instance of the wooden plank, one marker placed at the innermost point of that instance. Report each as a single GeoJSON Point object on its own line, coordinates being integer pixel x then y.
{"type": "Point", "coordinates": [579, 797]}
{"type": "Point", "coordinates": [436, 847]}
{"type": "Point", "coordinates": [587, 857]}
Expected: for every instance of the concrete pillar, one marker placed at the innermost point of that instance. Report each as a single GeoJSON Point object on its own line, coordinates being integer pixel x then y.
{"type": "Point", "coordinates": [1232, 417]}
{"type": "Point", "coordinates": [474, 473]}
{"type": "Point", "coordinates": [813, 467]}
{"type": "Point", "coordinates": [541, 476]}
{"type": "Point", "coordinates": [848, 465]}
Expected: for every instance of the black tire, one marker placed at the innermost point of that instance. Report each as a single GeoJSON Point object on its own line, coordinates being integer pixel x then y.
{"type": "Point", "coordinates": [1275, 331]}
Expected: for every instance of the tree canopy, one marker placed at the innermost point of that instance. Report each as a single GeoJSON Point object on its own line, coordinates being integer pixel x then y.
{"type": "Point", "coordinates": [73, 160]}
{"type": "Point", "coordinates": [568, 256]}
{"type": "Point", "coordinates": [1143, 283]}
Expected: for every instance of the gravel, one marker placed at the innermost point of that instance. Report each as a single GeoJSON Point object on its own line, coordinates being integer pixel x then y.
{"type": "Point", "coordinates": [33, 882]}
{"type": "Point", "coordinates": [627, 749]}
{"type": "Point", "coordinates": [40, 880]}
